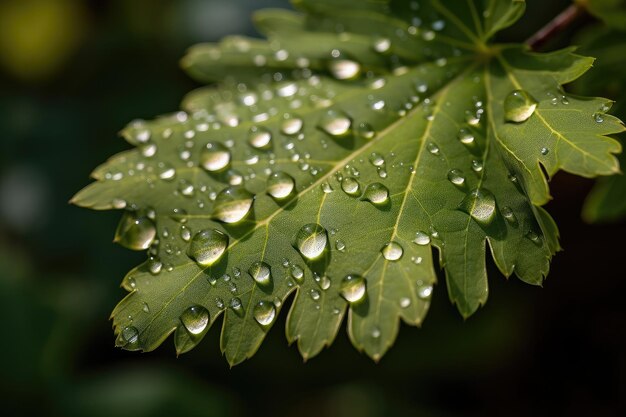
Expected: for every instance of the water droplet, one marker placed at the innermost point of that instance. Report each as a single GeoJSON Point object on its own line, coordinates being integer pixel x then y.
{"type": "Point", "coordinates": [135, 232]}
{"type": "Point", "coordinates": [433, 148]}
{"type": "Point", "coordinates": [219, 303]}
{"type": "Point", "coordinates": [598, 117]}
{"type": "Point", "coordinates": [185, 233]}
{"type": "Point", "coordinates": [195, 319]}
{"type": "Point", "coordinates": [292, 125]}
{"type": "Point", "coordinates": [351, 186]}
{"type": "Point", "coordinates": [326, 188]}
{"type": "Point", "coordinates": [535, 238]}
{"type": "Point", "coordinates": [155, 265]}
{"type": "Point", "coordinates": [335, 123]}
{"type": "Point", "coordinates": [465, 136]}
{"type": "Point", "coordinates": [405, 302]}
{"type": "Point", "coordinates": [344, 69]}
{"type": "Point", "coordinates": [353, 288]}
{"type": "Point", "coordinates": [508, 214]}
{"type": "Point", "coordinates": [208, 246]}
{"type": "Point", "coordinates": [376, 193]}
{"type": "Point", "coordinates": [214, 157]}
{"type": "Point", "coordinates": [481, 205]}
{"type": "Point", "coordinates": [130, 335]}
{"type": "Point", "coordinates": [186, 188]}
{"type": "Point", "coordinates": [261, 273]}
{"type": "Point", "coordinates": [340, 245]}
{"type": "Point", "coordinates": [365, 130]}
{"type": "Point", "coordinates": [311, 240]}
{"type": "Point", "coordinates": [145, 308]}
{"type": "Point", "coordinates": [297, 273]}
{"type": "Point", "coordinates": [260, 138]}
{"type": "Point", "coordinates": [392, 251]}
{"type": "Point", "coordinates": [519, 106]}
{"type": "Point", "coordinates": [235, 303]}
{"type": "Point", "coordinates": [455, 176]}
{"type": "Point", "coordinates": [422, 238]}
{"type": "Point", "coordinates": [315, 294]}
{"type": "Point", "coordinates": [382, 45]}
{"type": "Point", "coordinates": [377, 159]}
{"type": "Point", "coordinates": [424, 291]}
{"type": "Point", "coordinates": [375, 332]}
{"type": "Point", "coordinates": [545, 151]}
{"type": "Point", "coordinates": [166, 171]}
{"type": "Point", "coordinates": [280, 185]}
{"type": "Point", "coordinates": [264, 313]}
{"type": "Point", "coordinates": [232, 204]}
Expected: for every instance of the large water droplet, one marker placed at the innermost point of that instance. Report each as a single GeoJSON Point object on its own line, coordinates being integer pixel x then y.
{"type": "Point", "coordinates": [260, 138]}
{"type": "Point", "coordinates": [392, 251]}
{"type": "Point", "coordinates": [135, 232]}
{"type": "Point", "coordinates": [261, 273]}
{"type": "Point", "coordinates": [280, 185]}
{"type": "Point", "coordinates": [130, 335]}
{"type": "Point", "coordinates": [351, 186]}
{"type": "Point", "coordinates": [264, 313]}
{"type": "Point", "coordinates": [335, 123]}
{"type": "Point", "coordinates": [195, 319]}
{"type": "Point", "coordinates": [481, 205]}
{"type": "Point", "coordinates": [311, 240]}
{"type": "Point", "coordinates": [232, 204]}
{"type": "Point", "coordinates": [519, 106]}
{"type": "Point", "coordinates": [208, 246]}
{"type": "Point", "coordinates": [292, 125]}
{"type": "Point", "coordinates": [353, 288]}
{"type": "Point", "coordinates": [376, 193]}
{"type": "Point", "coordinates": [422, 238]}
{"type": "Point", "coordinates": [344, 69]}
{"type": "Point", "coordinates": [214, 157]}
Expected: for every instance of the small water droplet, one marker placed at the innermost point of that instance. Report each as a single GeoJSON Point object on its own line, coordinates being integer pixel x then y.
{"type": "Point", "coordinates": [376, 193]}
{"type": "Point", "coordinates": [335, 123]}
{"type": "Point", "coordinates": [465, 136]}
{"type": "Point", "coordinates": [598, 117]}
{"type": "Point", "coordinates": [344, 69]}
{"type": "Point", "coordinates": [480, 204]}
{"type": "Point", "coordinates": [214, 157]}
{"type": "Point", "coordinates": [208, 246]}
{"type": "Point", "coordinates": [292, 125]}
{"type": "Point", "coordinates": [135, 232]}
{"type": "Point", "coordinates": [477, 165]}
{"type": "Point", "coordinates": [166, 171]}
{"type": "Point", "coordinates": [405, 302]}
{"type": "Point", "coordinates": [326, 188]}
{"type": "Point", "coordinates": [232, 204]}
{"type": "Point", "coordinates": [340, 245]}
{"type": "Point", "coordinates": [311, 240]}
{"type": "Point", "coordinates": [261, 273]}
{"type": "Point", "coordinates": [130, 335]}
{"type": "Point", "coordinates": [219, 303]}
{"type": "Point", "coordinates": [392, 251]}
{"type": "Point", "coordinates": [155, 265]}
{"type": "Point", "coordinates": [297, 273]}
{"type": "Point", "coordinates": [535, 238]}
{"type": "Point", "coordinates": [315, 294]}
{"type": "Point", "coordinates": [424, 291]}
{"type": "Point", "coordinates": [422, 238]}
{"type": "Point", "coordinates": [382, 45]}
{"type": "Point", "coordinates": [195, 319]}
{"type": "Point", "coordinates": [145, 308]}
{"type": "Point", "coordinates": [235, 303]}
{"type": "Point", "coordinates": [351, 186]}
{"type": "Point", "coordinates": [264, 313]}
{"type": "Point", "coordinates": [455, 176]}
{"type": "Point", "coordinates": [280, 185]}
{"type": "Point", "coordinates": [433, 148]}
{"type": "Point", "coordinates": [508, 214]}
{"type": "Point", "coordinates": [365, 130]}
{"type": "Point", "coordinates": [260, 138]}
{"type": "Point", "coordinates": [353, 288]}
{"type": "Point", "coordinates": [519, 105]}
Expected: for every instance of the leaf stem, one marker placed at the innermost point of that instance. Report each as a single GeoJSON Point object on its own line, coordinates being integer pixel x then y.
{"type": "Point", "coordinates": [562, 21]}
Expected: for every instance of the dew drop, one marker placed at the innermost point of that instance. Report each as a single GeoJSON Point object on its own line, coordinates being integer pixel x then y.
{"type": "Point", "coordinates": [353, 288]}
{"type": "Point", "coordinates": [382, 45]}
{"type": "Point", "coordinates": [544, 151]}
{"type": "Point", "coordinates": [455, 176]}
{"type": "Point", "coordinates": [465, 136]}
{"type": "Point", "coordinates": [260, 138]}
{"type": "Point", "coordinates": [261, 273]}
{"type": "Point", "coordinates": [340, 245]}
{"type": "Point", "coordinates": [351, 186]}
{"type": "Point", "coordinates": [376, 193]}
{"type": "Point", "coordinates": [297, 273]}
{"type": "Point", "coordinates": [135, 232]}
{"type": "Point", "coordinates": [280, 185]}
{"type": "Point", "coordinates": [335, 123]}
{"type": "Point", "coordinates": [235, 303]}
{"type": "Point", "coordinates": [130, 335]}
{"type": "Point", "coordinates": [508, 214]}
{"type": "Point", "coordinates": [166, 171]}
{"type": "Point", "coordinates": [326, 188]}
{"type": "Point", "coordinates": [422, 238]}
{"type": "Point", "coordinates": [424, 291]}
{"type": "Point", "coordinates": [519, 106]}
{"type": "Point", "coordinates": [207, 246]}
{"type": "Point", "coordinates": [433, 148]}
{"type": "Point", "coordinates": [405, 302]}
{"type": "Point", "coordinates": [344, 69]}
{"type": "Point", "coordinates": [311, 240]}
{"type": "Point", "coordinates": [232, 204]}
{"type": "Point", "coordinates": [195, 319]}
{"type": "Point", "coordinates": [315, 294]}
{"type": "Point", "coordinates": [264, 313]}
{"type": "Point", "coordinates": [365, 130]}
{"type": "Point", "coordinates": [392, 251]}
{"type": "Point", "coordinates": [214, 157]}
{"type": "Point", "coordinates": [376, 159]}
{"type": "Point", "coordinates": [481, 205]}
{"type": "Point", "coordinates": [292, 125]}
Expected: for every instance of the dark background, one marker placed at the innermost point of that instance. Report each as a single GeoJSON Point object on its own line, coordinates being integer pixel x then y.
{"type": "Point", "coordinates": [72, 73]}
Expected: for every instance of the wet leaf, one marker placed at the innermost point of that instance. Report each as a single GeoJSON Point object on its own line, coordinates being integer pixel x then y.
{"type": "Point", "coordinates": [387, 129]}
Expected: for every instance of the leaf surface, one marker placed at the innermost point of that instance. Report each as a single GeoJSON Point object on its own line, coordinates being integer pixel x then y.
{"type": "Point", "coordinates": [399, 128]}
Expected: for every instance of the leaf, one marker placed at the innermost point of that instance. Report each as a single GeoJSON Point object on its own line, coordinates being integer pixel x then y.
{"type": "Point", "coordinates": [389, 122]}
{"type": "Point", "coordinates": [611, 12]}
{"type": "Point", "coordinates": [607, 201]}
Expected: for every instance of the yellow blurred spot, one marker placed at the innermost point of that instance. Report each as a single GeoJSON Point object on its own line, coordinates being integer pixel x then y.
{"type": "Point", "coordinates": [38, 36]}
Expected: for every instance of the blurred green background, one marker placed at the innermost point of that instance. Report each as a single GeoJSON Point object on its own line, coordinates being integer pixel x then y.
{"type": "Point", "coordinates": [74, 72]}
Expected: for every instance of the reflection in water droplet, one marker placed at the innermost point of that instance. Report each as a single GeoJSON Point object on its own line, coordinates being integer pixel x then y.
{"type": "Point", "coordinates": [232, 204]}
{"type": "Point", "coordinates": [382, 45]}
{"type": "Point", "coordinates": [297, 273]}
{"type": "Point", "coordinates": [465, 136]}
{"type": "Point", "coordinates": [353, 288]}
{"type": "Point", "coordinates": [455, 176]}
{"type": "Point", "coordinates": [392, 251]}
{"type": "Point", "coordinates": [424, 291]}
{"type": "Point", "coordinates": [519, 106]}
{"type": "Point", "coordinates": [351, 186]}
{"type": "Point", "coordinates": [344, 69]}
{"type": "Point", "coordinates": [376, 193]}
{"type": "Point", "coordinates": [207, 246]}
{"type": "Point", "coordinates": [214, 157]}
{"type": "Point", "coordinates": [195, 319]}
{"type": "Point", "coordinates": [422, 238]}
{"type": "Point", "coordinates": [508, 214]}
{"type": "Point", "coordinates": [365, 130]}
{"type": "Point", "coordinates": [315, 294]}
{"type": "Point", "coordinates": [292, 125]}
{"type": "Point", "coordinates": [480, 204]}
{"type": "Point", "coordinates": [130, 335]}
{"type": "Point", "coordinates": [135, 232]}
{"type": "Point", "coordinates": [260, 138]}
{"type": "Point", "coordinates": [335, 123]}
{"type": "Point", "coordinates": [405, 302]}
{"type": "Point", "coordinates": [264, 313]}
{"type": "Point", "coordinates": [261, 273]}
{"type": "Point", "coordinates": [280, 185]}
{"type": "Point", "coordinates": [311, 240]}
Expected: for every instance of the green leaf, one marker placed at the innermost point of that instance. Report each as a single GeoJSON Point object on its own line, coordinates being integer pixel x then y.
{"type": "Point", "coordinates": [331, 159]}
{"type": "Point", "coordinates": [612, 12]}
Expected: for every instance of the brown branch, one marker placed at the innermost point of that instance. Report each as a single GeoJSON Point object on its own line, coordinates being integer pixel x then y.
{"type": "Point", "coordinates": [556, 25]}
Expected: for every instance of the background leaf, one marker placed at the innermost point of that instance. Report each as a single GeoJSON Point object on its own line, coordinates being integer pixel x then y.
{"type": "Point", "coordinates": [398, 130]}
